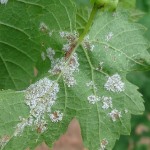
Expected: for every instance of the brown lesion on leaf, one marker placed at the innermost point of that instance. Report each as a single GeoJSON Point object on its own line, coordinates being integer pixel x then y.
{"type": "Point", "coordinates": [39, 130]}
{"type": "Point", "coordinates": [35, 71]}
{"type": "Point", "coordinates": [4, 139]}
{"type": "Point", "coordinates": [55, 114]}
{"type": "Point", "coordinates": [42, 44]}
{"type": "Point", "coordinates": [116, 116]}
{"type": "Point", "coordinates": [68, 53]}
{"type": "Point", "coordinates": [104, 142]}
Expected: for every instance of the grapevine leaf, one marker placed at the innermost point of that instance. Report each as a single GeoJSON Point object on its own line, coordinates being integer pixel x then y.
{"type": "Point", "coordinates": [21, 42]}
{"type": "Point", "coordinates": [116, 48]}
{"type": "Point", "coordinates": [89, 84]}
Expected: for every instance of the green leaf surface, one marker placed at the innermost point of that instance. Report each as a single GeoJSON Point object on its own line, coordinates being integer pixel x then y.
{"type": "Point", "coordinates": [119, 51]}
{"type": "Point", "coordinates": [127, 4]}
{"type": "Point", "coordinates": [21, 42]}
{"type": "Point", "coordinates": [118, 47]}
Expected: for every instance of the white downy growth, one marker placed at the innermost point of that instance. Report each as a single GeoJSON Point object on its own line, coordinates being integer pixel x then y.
{"type": "Point", "coordinates": [23, 123]}
{"type": "Point", "coordinates": [103, 144]}
{"type": "Point", "coordinates": [107, 102]}
{"type": "Point", "coordinates": [93, 99]}
{"type": "Point", "coordinates": [91, 85]}
{"type": "Point", "coordinates": [3, 1]}
{"type": "Point", "coordinates": [71, 39]}
{"type": "Point", "coordinates": [56, 116]}
{"type": "Point", "coordinates": [109, 36]}
{"type": "Point", "coordinates": [57, 66]}
{"type": "Point", "coordinates": [115, 114]}
{"type": "Point", "coordinates": [50, 33]}
{"type": "Point", "coordinates": [114, 84]}
{"type": "Point", "coordinates": [40, 97]}
{"type": "Point", "coordinates": [50, 53]}
{"type": "Point", "coordinates": [67, 70]}
{"type": "Point", "coordinates": [40, 125]}
{"type": "Point", "coordinates": [63, 65]}
{"type": "Point", "coordinates": [100, 66]}
{"type": "Point", "coordinates": [126, 111]}
{"type": "Point", "coordinates": [4, 140]}
{"type": "Point", "coordinates": [43, 56]}
{"type": "Point", "coordinates": [66, 47]}
{"type": "Point", "coordinates": [43, 27]}
{"type": "Point", "coordinates": [87, 44]}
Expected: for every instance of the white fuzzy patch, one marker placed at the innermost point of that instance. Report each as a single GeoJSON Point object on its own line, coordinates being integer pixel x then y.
{"type": "Point", "coordinates": [3, 1]}
{"type": "Point", "coordinates": [114, 84]}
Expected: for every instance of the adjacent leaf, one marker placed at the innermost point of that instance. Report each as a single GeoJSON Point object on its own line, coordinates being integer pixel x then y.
{"type": "Point", "coordinates": [145, 21]}
{"type": "Point", "coordinates": [143, 5]}
{"type": "Point", "coordinates": [128, 4]}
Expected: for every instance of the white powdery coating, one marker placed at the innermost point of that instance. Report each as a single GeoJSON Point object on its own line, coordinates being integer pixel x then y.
{"type": "Point", "coordinates": [43, 56]}
{"type": "Point", "coordinates": [109, 36]}
{"type": "Point", "coordinates": [103, 144]}
{"type": "Point", "coordinates": [56, 116]}
{"type": "Point", "coordinates": [107, 102]}
{"type": "Point", "coordinates": [66, 47]}
{"type": "Point", "coordinates": [3, 1]}
{"type": "Point", "coordinates": [100, 66]}
{"type": "Point", "coordinates": [114, 84]}
{"type": "Point", "coordinates": [67, 70]}
{"type": "Point", "coordinates": [39, 89]}
{"type": "Point", "coordinates": [70, 65]}
{"type": "Point", "coordinates": [50, 53]}
{"type": "Point", "coordinates": [43, 27]}
{"type": "Point", "coordinates": [20, 126]}
{"type": "Point", "coordinates": [40, 125]}
{"type": "Point", "coordinates": [126, 111]}
{"type": "Point", "coordinates": [76, 34]}
{"type": "Point", "coordinates": [40, 97]}
{"type": "Point", "coordinates": [4, 140]}
{"type": "Point", "coordinates": [50, 33]}
{"type": "Point", "coordinates": [70, 37]}
{"type": "Point", "coordinates": [57, 66]}
{"type": "Point", "coordinates": [63, 34]}
{"type": "Point", "coordinates": [91, 84]}
{"type": "Point", "coordinates": [87, 44]}
{"type": "Point", "coordinates": [115, 114]}
{"type": "Point", "coordinates": [93, 99]}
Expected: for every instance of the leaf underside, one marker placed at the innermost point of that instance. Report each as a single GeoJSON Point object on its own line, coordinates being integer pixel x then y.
{"type": "Point", "coordinates": [125, 51]}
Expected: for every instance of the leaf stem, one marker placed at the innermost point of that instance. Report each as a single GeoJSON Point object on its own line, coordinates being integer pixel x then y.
{"type": "Point", "coordinates": [86, 30]}
{"type": "Point", "coordinates": [87, 27]}
{"type": "Point", "coordinates": [89, 23]}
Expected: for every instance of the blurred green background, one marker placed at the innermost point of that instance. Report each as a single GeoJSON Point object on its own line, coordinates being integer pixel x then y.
{"type": "Point", "coordinates": [140, 134]}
